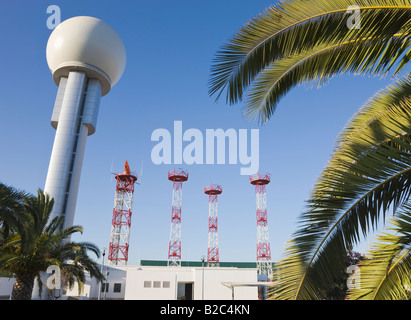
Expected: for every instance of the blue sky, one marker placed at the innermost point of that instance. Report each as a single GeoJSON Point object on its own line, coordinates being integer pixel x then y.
{"type": "Point", "coordinates": [170, 47]}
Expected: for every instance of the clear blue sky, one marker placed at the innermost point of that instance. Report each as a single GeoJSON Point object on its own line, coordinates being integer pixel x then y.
{"type": "Point", "coordinates": [170, 46]}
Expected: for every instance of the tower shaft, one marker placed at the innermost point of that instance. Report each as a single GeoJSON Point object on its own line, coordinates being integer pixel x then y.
{"type": "Point", "coordinates": [264, 265]}
{"type": "Point", "coordinates": [213, 254]}
{"type": "Point", "coordinates": [174, 247]}
{"type": "Point", "coordinates": [174, 250]}
{"type": "Point", "coordinates": [213, 258]}
{"type": "Point", "coordinates": [263, 241]}
{"type": "Point", "coordinates": [121, 222]}
{"type": "Point", "coordinates": [86, 57]}
{"type": "Point", "coordinates": [76, 103]}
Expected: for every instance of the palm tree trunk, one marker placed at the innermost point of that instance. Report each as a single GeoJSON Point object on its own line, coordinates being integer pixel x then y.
{"type": "Point", "coordinates": [23, 286]}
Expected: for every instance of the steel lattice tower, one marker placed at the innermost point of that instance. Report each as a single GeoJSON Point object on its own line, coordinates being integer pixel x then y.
{"type": "Point", "coordinates": [264, 265]}
{"type": "Point", "coordinates": [174, 248]}
{"type": "Point", "coordinates": [213, 255]}
{"type": "Point", "coordinates": [121, 222]}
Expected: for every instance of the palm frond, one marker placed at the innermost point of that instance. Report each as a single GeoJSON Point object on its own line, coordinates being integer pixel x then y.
{"type": "Point", "coordinates": [319, 64]}
{"type": "Point", "coordinates": [364, 179]}
{"type": "Point", "coordinates": [11, 209]}
{"type": "Point", "coordinates": [384, 115]}
{"type": "Point", "coordinates": [296, 27]}
{"type": "Point", "coordinates": [385, 275]}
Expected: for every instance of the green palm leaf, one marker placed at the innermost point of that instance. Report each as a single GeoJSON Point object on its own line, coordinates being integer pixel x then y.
{"type": "Point", "coordinates": [385, 275]}
{"type": "Point", "coordinates": [320, 63]}
{"type": "Point", "coordinates": [296, 27]}
{"type": "Point", "coordinates": [366, 176]}
{"type": "Point", "coordinates": [11, 209]}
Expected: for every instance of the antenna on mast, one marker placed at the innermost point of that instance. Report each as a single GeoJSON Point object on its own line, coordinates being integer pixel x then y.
{"type": "Point", "coordinates": [140, 175]}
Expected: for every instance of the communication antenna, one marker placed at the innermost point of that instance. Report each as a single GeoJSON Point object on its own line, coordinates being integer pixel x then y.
{"type": "Point", "coordinates": [140, 175]}
{"type": "Point", "coordinates": [174, 247]}
{"type": "Point", "coordinates": [112, 173]}
{"type": "Point", "coordinates": [213, 254]}
{"type": "Point", "coordinates": [122, 212]}
{"type": "Point", "coordinates": [264, 264]}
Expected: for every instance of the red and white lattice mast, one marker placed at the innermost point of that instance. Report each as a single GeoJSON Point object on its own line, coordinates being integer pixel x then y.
{"type": "Point", "coordinates": [213, 257]}
{"type": "Point", "coordinates": [121, 222]}
{"type": "Point", "coordinates": [174, 248]}
{"type": "Point", "coordinates": [264, 265]}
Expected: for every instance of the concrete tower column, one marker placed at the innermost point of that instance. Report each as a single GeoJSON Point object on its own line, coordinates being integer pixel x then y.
{"type": "Point", "coordinates": [86, 57]}
{"type": "Point", "coordinates": [66, 142]}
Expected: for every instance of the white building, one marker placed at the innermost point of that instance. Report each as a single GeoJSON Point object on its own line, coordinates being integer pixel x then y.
{"type": "Point", "coordinates": [188, 283]}
{"type": "Point", "coordinates": [153, 280]}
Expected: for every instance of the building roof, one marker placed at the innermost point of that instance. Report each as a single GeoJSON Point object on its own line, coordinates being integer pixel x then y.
{"type": "Point", "coordinates": [163, 263]}
{"type": "Point", "coordinates": [247, 284]}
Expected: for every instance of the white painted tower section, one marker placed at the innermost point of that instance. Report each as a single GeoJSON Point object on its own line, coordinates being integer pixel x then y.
{"type": "Point", "coordinates": [86, 57]}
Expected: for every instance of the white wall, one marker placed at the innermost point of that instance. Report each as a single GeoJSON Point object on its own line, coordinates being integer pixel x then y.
{"type": "Point", "coordinates": [213, 278]}
{"type": "Point", "coordinates": [136, 277]}
{"type": "Point", "coordinates": [6, 288]}
{"type": "Point", "coordinates": [213, 288]}
{"type": "Point", "coordinates": [91, 286]}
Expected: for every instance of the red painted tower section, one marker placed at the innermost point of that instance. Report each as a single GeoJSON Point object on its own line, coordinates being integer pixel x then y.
{"type": "Point", "coordinates": [121, 222]}
{"type": "Point", "coordinates": [213, 254]}
{"type": "Point", "coordinates": [174, 247]}
{"type": "Point", "coordinates": [264, 265]}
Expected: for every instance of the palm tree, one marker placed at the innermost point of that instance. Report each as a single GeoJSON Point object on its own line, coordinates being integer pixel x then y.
{"type": "Point", "coordinates": [369, 173]}
{"type": "Point", "coordinates": [298, 41]}
{"type": "Point", "coordinates": [42, 244]}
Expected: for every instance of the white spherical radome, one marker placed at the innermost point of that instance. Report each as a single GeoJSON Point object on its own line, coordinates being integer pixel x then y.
{"type": "Point", "coordinates": [86, 44]}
